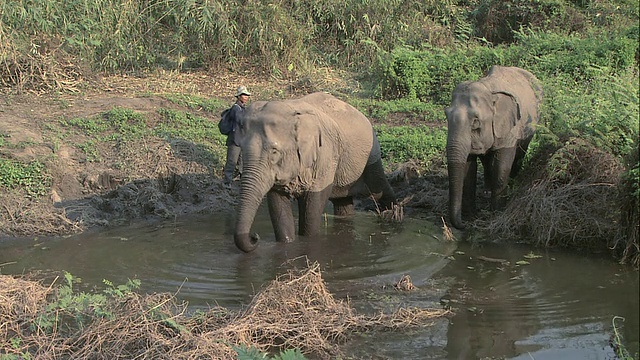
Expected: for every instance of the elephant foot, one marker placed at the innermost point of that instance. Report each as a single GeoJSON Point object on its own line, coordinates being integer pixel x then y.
{"type": "Point", "coordinates": [343, 206]}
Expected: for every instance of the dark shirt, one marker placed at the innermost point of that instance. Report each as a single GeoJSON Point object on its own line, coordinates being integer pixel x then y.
{"type": "Point", "coordinates": [237, 110]}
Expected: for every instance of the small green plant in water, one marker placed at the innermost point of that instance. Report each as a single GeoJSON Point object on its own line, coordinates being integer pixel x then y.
{"type": "Point", "coordinates": [251, 353]}
{"type": "Point", "coordinates": [616, 342]}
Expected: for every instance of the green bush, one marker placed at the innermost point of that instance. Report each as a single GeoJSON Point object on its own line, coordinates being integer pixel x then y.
{"type": "Point", "coordinates": [604, 112]}
{"type": "Point", "coordinates": [251, 353]}
{"type": "Point", "coordinates": [583, 59]}
{"type": "Point", "coordinates": [71, 310]}
{"type": "Point", "coordinates": [431, 75]}
{"type": "Point", "coordinates": [410, 108]}
{"type": "Point", "coordinates": [403, 143]}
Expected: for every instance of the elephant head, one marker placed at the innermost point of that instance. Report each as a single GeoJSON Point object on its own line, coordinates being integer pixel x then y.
{"type": "Point", "coordinates": [488, 118]}
{"type": "Point", "coordinates": [276, 141]}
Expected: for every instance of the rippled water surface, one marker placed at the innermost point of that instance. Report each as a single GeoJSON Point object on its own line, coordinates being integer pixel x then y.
{"type": "Point", "coordinates": [533, 304]}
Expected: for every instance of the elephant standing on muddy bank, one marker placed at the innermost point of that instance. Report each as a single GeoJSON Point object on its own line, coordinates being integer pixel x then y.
{"type": "Point", "coordinates": [492, 119]}
{"type": "Point", "coordinates": [314, 149]}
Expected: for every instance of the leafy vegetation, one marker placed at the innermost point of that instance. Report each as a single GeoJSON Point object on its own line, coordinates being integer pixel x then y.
{"type": "Point", "coordinates": [31, 177]}
{"type": "Point", "coordinates": [72, 309]}
{"type": "Point", "coordinates": [251, 353]}
{"type": "Point", "coordinates": [401, 143]}
{"type": "Point", "coordinates": [616, 342]}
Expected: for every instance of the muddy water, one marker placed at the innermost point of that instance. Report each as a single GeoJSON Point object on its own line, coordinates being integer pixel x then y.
{"type": "Point", "coordinates": [508, 301]}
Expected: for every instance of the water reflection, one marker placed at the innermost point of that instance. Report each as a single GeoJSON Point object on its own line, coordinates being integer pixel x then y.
{"type": "Point", "coordinates": [558, 306]}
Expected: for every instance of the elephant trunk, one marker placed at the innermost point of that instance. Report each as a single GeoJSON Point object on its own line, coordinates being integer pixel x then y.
{"type": "Point", "coordinates": [457, 156]}
{"type": "Point", "coordinates": [253, 188]}
{"type": "Point", "coordinates": [456, 184]}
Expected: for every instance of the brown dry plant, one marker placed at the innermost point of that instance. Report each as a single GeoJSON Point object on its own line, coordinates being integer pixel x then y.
{"type": "Point", "coordinates": [23, 216]}
{"type": "Point", "coordinates": [569, 202]}
{"type": "Point", "coordinates": [294, 311]}
{"type": "Point", "coordinates": [40, 70]}
{"type": "Point", "coordinates": [447, 234]}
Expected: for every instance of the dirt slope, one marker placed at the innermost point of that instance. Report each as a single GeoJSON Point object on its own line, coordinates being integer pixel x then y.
{"type": "Point", "coordinates": [153, 182]}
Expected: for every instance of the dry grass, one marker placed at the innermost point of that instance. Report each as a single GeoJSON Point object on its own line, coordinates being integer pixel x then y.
{"type": "Point", "coordinates": [38, 72]}
{"type": "Point", "coordinates": [22, 216]}
{"type": "Point", "coordinates": [447, 234]}
{"type": "Point", "coordinates": [393, 215]}
{"type": "Point", "coordinates": [570, 202]}
{"type": "Point", "coordinates": [294, 311]}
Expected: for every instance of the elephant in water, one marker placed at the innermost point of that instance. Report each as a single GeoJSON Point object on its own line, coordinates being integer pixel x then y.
{"type": "Point", "coordinates": [313, 149]}
{"type": "Point", "coordinates": [493, 119]}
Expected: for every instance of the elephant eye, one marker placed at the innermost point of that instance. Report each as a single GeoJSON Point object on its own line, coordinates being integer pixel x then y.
{"type": "Point", "coordinates": [274, 156]}
{"type": "Point", "coordinates": [475, 123]}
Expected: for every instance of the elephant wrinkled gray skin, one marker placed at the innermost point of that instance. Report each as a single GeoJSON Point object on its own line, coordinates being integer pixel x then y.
{"type": "Point", "coordinates": [313, 149]}
{"type": "Point", "coordinates": [492, 119]}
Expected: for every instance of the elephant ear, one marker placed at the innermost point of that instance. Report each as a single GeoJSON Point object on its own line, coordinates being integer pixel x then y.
{"type": "Point", "coordinates": [506, 117]}
{"type": "Point", "coordinates": [524, 89]}
{"type": "Point", "coordinates": [308, 137]}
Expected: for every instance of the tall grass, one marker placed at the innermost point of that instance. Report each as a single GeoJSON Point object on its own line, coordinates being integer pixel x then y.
{"type": "Point", "coordinates": [279, 36]}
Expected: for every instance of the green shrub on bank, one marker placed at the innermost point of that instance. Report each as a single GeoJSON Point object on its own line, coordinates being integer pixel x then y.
{"type": "Point", "coordinates": [403, 143]}
{"type": "Point", "coordinates": [431, 74]}
{"type": "Point", "coordinates": [603, 111]}
{"type": "Point", "coordinates": [251, 353]}
{"type": "Point", "coordinates": [380, 110]}
{"type": "Point", "coordinates": [71, 310]}
{"type": "Point", "coordinates": [549, 55]}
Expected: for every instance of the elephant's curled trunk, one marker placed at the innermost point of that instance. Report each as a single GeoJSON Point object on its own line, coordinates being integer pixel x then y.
{"type": "Point", "coordinates": [252, 190]}
{"type": "Point", "coordinates": [246, 242]}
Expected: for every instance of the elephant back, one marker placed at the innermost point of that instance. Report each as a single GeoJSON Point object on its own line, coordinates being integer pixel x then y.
{"type": "Point", "coordinates": [353, 132]}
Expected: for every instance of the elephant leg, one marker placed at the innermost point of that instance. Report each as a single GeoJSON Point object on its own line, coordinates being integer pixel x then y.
{"type": "Point", "coordinates": [281, 216]}
{"type": "Point", "coordinates": [343, 206]}
{"type": "Point", "coordinates": [376, 180]}
{"type": "Point", "coordinates": [521, 150]}
{"type": "Point", "coordinates": [501, 163]}
{"type": "Point", "coordinates": [469, 188]}
{"type": "Point", "coordinates": [310, 206]}
{"type": "Point", "coordinates": [486, 165]}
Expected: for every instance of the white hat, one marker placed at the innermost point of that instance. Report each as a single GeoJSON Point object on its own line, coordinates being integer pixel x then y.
{"type": "Point", "coordinates": [242, 90]}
